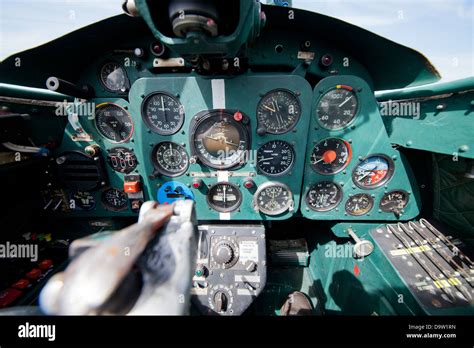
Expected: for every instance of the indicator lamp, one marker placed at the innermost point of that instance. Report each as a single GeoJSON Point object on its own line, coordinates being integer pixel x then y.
{"type": "Point", "coordinates": [197, 183]}
{"type": "Point", "coordinates": [238, 116]}
{"type": "Point", "coordinates": [248, 183]}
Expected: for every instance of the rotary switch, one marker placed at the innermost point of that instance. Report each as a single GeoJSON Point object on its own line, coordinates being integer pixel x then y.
{"type": "Point", "coordinates": [223, 253]}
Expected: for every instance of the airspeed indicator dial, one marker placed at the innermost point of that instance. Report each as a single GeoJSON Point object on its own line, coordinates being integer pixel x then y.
{"type": "Point", "coordinates": [163, 113]}
{"type": "Point", "coordinates": [337, 108]}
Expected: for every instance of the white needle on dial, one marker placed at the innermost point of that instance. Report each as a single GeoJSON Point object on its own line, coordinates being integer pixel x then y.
{"type": "Point", "coordinates": [345, 101]}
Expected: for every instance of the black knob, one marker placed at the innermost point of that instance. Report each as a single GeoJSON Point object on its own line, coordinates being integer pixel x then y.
{"type": "Point", "coordinates": [223, 253]}
{"type": "Point", "coordinates": [220, 301]}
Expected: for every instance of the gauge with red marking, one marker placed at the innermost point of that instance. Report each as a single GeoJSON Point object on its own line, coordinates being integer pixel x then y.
{"type": "Point", "coordinates": [337, 108]}
{"type": "Point", "coordinates": [330, 156]}
{"type": "Point", "coordinates": [373, 171]}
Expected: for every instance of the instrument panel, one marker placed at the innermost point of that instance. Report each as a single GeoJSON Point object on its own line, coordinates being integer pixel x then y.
{"type": "Point", "coordinates": [253, 147]}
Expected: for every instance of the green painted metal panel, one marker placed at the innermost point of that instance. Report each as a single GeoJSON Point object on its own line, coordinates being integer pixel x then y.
{"type": "Point", "coordinates": [241, 93]}
{"type": "Point", "coordinates": [445, 124]}
{"type": "Point", "coordinates": [367, 136]}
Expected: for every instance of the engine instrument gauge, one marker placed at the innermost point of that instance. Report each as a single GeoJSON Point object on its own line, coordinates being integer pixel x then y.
{"type": "Point", "coordinates": [394, 201]}
{"type": "Point", "coordinates": [82, 200]}
{"type": "Point", "coordinates": [359, 204]}
{"type": "Point", "coordinates": [220, 138]}
{"type": "Point", "coordinates": [323, 196]}
{"type": "Point", "coordinates": [374, 171]}
{"type": "Point", "coordinates": [224, 197]}
{"type": "Point", "coordinates": [114, 78]}
{"type": "Point", "coordinates": [170, 159]}
{"type": "Point", "coordinates": [278, 111]}
{"type": "Point", "coordinates": [122, 159]}
{"type": "Point", "coordinates": [330, 156]}
{"type": "Point", "coordinates": [114, 199]}
{"type": "Point", "coordinates": [113, 122]}
{"type": "Point", "coordinates": [337, 108]}
{"type": "Point", "coordinates": [273, 198]}
{"type": "Point", "coordinates": [163, 113]}
{"type": "Point", "coordinates": [275, 158]}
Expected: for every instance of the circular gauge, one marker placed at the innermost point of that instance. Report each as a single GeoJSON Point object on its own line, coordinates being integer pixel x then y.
{"type": "Point", "coordinates": [278, 111]}
{"type": "Point", "coordinates": [114, 199]}
{"type": "Point", "coordinates": [113, 122]}
{"type": "Point", "coordinates": [330, 156]}
{"type": "Point", "coordinates": [359, 204]}
{"type": "Point", "coordinates": [394, 201]}
{"type": "Point", "coordinates": [337, 108]}
{"type": "Point", "coordinates": [114, 77]}
{"type": "Point", "coordinates": [163, 113]}
{"type": "Point", "coordinates": [273, 198]}
{"type": "Point", "coordinates": [220, 138]}
{"type": "Point", "coordinates": [324, 196]}
{"type": "Point", "coordinates": [170, 159]}
{"type": "Point", "coordinates": [82, 200]}
{"type": "Point", "coordinates": [275, 158]}
{"type": "Point", "coordinates": [224, 197]}
{"type": "Point", "coordinates": [373, 171]}
{"type": "Point", "coordinates": [122, 159]}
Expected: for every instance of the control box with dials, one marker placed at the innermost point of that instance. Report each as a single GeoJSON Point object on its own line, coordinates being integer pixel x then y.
{"type": "Point", "coordinates": [231, 268]}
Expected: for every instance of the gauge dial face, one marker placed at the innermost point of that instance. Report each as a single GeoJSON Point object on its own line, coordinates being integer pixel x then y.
{"type": "Point", "coordinates": [163, 113]}
{"type": "Point", "coordinates": [374, 171]}
{"type": "Point", "coordinates": [273, 198]}
{"type": "Point", "coordinates": [359, 204]}
{"type": "Point", "coordinates": [113, 122]}
{"type": "Point", "coordinates": [330, 156]}
{"type": "Point", "coordinates": [122, 159]}
{"type": "Point", "coordinates": [394, 201]}
{"type": "Point", "coordinates": [114, 77]}
{"type": "Point", "coordinates": [324, 196]}
{"type": "Point", "coordinates": [82, 200]}
{"type": "Point", "coordinates": [114, 199]}
{"type": "Point", "coordinates": [275, 158]}
{"type": "Point", "coordinates": [224, 197]}
{"type": "Point", "coordinates": [219, 140]}
{"type": "Point", "coordinates": [278, 111]}
{"type": "Point", "coordinates": [337, 108]}
{"type": "Point", "coordinates": [170, 159]}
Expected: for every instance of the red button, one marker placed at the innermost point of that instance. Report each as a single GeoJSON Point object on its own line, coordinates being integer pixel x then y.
{"type": "Point", "coordinates": [34, 273]}
{"type": "Point", "coordinates": [21, 284]}
{"type": "Point", "coordinates": [238, 116]}
{"type": "Point", "coordinates": [45, 264]}
{"type": "Point", "coordinates": [131, 186]}
{"type": "Point", "coordinates": [197, 183]}
{"type": "Point", "coordinates": [8, 296]}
